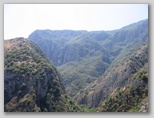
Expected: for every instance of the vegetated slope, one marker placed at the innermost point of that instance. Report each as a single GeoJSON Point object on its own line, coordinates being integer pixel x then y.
{"type": "Point", "coordinates": [131, 97]}
{"type": "Point", "coordinates": [122, 87]}
{"type": "Point", "coordinates": [82, 57]}
{"type": "Point", "coordinates": [79, 57]}
{"type": "Point", "coordinates": [31, 83]}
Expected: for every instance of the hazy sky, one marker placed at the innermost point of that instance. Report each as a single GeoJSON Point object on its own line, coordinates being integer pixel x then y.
{"type": "Point", "coordinates": [20, 20]}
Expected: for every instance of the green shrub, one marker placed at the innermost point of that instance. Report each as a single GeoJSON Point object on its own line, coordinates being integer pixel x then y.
{"type": "Point", "coordinates": [23, 86]}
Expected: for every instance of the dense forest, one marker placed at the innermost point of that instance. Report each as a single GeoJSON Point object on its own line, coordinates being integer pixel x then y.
{"type": "Point", "coordinates": [78, 71]}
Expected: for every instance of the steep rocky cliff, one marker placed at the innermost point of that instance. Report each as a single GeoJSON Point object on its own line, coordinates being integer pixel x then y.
{"type": "Point", "coordinates": [31, 83]}
{"type": "Point", "coordinates": [122, 87]}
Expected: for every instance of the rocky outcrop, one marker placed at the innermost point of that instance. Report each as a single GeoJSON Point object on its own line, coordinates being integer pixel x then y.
{"type": "Point", "coordinates": [144, 105]}
{"type": "Point", "coordinates": [31, 82]}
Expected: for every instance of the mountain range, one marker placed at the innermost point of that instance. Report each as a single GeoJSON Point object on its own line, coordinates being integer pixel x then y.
{"type": "Point", "coordinates": [78, 71]}
{"type": "Point", "coordinates": [91, 53]}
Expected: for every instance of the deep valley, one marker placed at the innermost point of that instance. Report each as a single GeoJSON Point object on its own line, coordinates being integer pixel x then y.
{"type": "Point", "coordinates": [78, 71]}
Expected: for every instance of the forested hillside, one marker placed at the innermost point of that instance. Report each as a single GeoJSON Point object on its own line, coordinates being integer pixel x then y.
{"type": "Point", "coordinates": [82, 57]}
{"type": "Point", "coordinates": [78, 71]}
{"type": "Point", "coordinates": [31, 83]}
{"type": "Point", "coordinates": [122, 87]}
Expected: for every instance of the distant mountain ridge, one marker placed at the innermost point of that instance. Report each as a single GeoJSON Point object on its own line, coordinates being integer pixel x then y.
{"type": "Point", "coordinates": [104, 71]}
{"type": "Point", "coordinates": [74, 49]}
{"type": "Point", "coordinates": [82, 57]}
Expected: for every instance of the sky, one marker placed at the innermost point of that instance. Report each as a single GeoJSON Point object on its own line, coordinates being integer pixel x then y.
{"type": "Point", "coordinates": [20, 20]}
